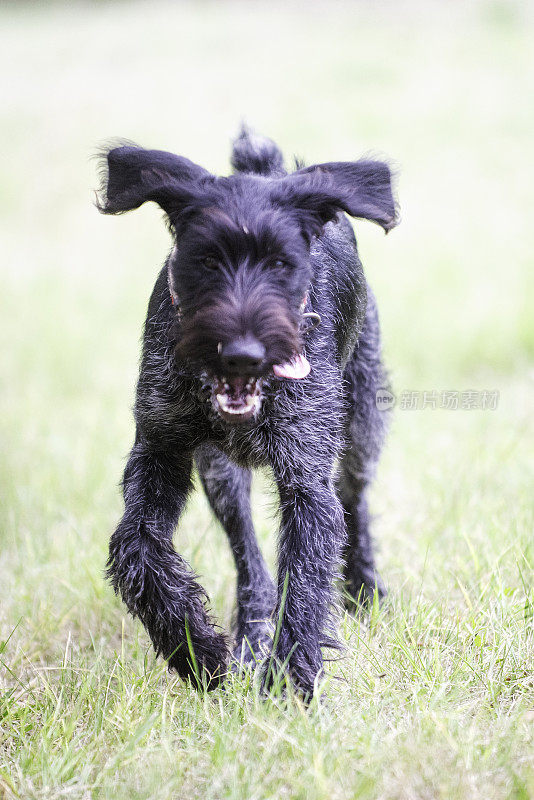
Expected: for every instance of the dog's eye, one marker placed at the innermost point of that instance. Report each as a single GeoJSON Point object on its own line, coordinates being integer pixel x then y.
{"type": "Point", "coordinates": [279, 264]}
{"type": "Point", "coordinates": [211, 263]}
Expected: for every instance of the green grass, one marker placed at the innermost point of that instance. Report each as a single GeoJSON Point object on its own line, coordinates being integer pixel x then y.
{"type": "Point", "coordinates": [434, 696]}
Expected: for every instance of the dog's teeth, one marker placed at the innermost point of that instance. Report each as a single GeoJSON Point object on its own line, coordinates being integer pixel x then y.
{"type": "Point", "coordinates": [235, 411]}
{"type": "Point", "coordinates": [249, 402]}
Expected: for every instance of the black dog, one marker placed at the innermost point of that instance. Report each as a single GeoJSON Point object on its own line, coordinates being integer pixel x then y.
{"type": "Point", "coordinates": [261, 347]}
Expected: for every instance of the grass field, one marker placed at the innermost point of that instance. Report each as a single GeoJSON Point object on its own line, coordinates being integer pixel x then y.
{"type": "Point", "coordinates": [434, 696]}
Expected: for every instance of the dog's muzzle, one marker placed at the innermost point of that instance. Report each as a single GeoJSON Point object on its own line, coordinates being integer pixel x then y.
{"type": "Point", "coordinates": [237, 395]}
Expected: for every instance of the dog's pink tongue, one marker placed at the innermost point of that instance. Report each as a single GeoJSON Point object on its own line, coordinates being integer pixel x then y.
{"type": "Point", "coordinates": [297, 368]}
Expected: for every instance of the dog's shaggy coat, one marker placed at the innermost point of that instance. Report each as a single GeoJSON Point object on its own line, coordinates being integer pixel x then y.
{"type": "Point", "coordinates": [236, 374]}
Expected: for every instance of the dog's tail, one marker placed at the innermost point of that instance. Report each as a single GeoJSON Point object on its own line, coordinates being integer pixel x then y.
{"type": "Point", "coordinates": [256, 154]}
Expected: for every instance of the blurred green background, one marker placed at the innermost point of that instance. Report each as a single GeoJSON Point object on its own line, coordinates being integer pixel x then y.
{"type": "Point", "coordinates": [445, 90]}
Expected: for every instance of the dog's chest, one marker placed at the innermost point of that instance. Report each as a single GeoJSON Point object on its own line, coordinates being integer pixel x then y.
{"type": "Point", "coordinates": [248, 448]}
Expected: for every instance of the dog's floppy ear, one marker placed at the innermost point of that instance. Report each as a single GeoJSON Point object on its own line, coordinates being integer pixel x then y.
{"type": "Point", "coordinates": [361, 188]}
{"type": "Point", "coordinates": [131, 176]}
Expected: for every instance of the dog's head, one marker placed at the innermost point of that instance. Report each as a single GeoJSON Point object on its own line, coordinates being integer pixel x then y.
{"type": "Point", "coordinates": [240, 270]}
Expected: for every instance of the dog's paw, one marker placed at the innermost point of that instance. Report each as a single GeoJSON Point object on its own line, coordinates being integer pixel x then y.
{"type": "Point", "coordinates": [295, 663]}
{"type": "Point", "coordinates": [359, 592]}
{"type": "Point", "coordinates": [252, 648]}
{"type": "Point", "coordinates": [202, 660]}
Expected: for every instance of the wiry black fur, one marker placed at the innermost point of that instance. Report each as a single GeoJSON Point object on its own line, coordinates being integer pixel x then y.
{"type": "Point", "coordinates": [248, 249]}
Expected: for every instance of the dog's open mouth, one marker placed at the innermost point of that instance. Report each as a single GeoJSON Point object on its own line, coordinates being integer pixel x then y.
{"type": "Point", "coordinates": [238, 398]}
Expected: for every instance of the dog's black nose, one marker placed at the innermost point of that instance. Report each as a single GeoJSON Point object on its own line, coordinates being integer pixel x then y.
{"type": "Point", "coordinates": [243, 356]}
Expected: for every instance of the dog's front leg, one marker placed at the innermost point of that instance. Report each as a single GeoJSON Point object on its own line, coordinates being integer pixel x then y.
{"type": "Point", "coordinates": [311, 535]}
{"type": "Point", "coordinates": [154, 581]}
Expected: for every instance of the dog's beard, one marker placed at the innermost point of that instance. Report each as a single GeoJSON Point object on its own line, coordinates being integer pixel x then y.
{"type": "Point", "coordinates": [238, 398]}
